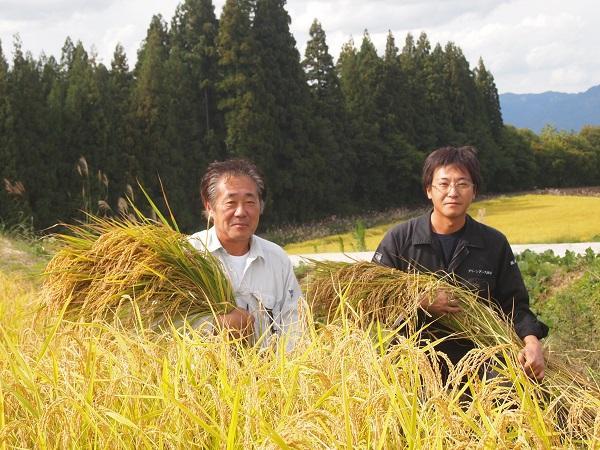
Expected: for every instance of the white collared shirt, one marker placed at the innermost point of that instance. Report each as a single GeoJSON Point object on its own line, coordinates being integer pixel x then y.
{"type": "Point", "coordinates": [268, 288]}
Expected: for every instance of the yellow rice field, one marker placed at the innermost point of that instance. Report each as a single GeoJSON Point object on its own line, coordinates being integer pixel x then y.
{"type": "Point", "coordinates": [524, 219]}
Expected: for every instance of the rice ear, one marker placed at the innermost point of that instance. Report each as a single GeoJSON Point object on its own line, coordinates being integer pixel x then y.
{"type": "Point", "coordinates": [103, 264]}
{"type": "Point", "coordinates": [387, 295]}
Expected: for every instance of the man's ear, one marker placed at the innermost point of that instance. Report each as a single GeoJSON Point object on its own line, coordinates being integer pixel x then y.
{"type": "Point", "coordinates": [209, 210]}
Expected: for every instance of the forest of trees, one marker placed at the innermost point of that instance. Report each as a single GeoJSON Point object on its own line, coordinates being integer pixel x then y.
{"type": "Point", "coordinates": [331, 138]}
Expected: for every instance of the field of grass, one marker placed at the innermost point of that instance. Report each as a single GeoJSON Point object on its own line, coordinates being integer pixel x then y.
{"type": "Point", "coordinates": [91, 384]}
{"type": "Point", "coordinates": [524, 219]}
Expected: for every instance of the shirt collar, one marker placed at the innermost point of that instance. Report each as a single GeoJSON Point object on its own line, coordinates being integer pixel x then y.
{"type": "Point", "coordinates": [471, 237]}
{"type": "Point", "coordinates": [213, 245]}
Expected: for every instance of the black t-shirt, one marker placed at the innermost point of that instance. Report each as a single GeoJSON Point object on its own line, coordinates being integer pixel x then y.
{"type": "Point", "coordinates": [448, 244]}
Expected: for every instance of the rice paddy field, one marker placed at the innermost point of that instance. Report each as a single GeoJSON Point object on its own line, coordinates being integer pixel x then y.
{"type": "Point", "coordinates": [77, 372]}
{"type": "Point", "coordinates": [524, 219]}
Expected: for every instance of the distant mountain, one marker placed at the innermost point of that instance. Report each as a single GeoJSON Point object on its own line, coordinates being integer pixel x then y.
{"type": "Point", "coordinates": [563, 111]}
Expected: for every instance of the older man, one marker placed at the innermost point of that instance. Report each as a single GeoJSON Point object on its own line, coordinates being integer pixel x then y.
{"type": "Point", "coordinates": [447, 239]}
{"type": "Point", "coordinates": [265, 287]}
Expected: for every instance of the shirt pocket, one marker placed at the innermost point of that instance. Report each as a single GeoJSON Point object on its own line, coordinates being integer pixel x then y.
{"type": "Point", "coordinates": [266, 314]}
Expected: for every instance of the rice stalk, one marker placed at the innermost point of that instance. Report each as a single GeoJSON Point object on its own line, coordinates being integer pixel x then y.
{"type": "Point", "coordinates": [109, 269]}
{"type": "Point", "coordinates": [388, 296]}
{"type": "Point", "coordinates": [337, 389]}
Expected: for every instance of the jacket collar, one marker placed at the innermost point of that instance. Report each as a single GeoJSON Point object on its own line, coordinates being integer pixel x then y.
{"type": "Point", "coordinates": [472, 236]}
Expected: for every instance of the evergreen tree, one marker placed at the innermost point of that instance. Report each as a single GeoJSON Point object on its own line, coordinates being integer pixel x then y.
{"type": "Point", "coordinates": [238, 89]}
{"type": "Point", "coordinates": [437, 99]}
{"type": "Point", "coordinates": [402, 171]}
{"type": "Point", "coordinates": [330, 120]}
{"type": "Point", "coordinates": [469, 122]}
{"type": "Point", "coordinates": [286, 101]}
{"type": "Point", "coordinates": [7, 149]}
{"type": "Point", "coordinates": [413, 59]}
{"type": "Point", "coordinates": [195, 129]}
{"type": "Point", "coordinates": [486, 87]}
{"type": "Point", "coordinates": [361, 74]}
{"type": "Point", "coordinates": [120, 164]}
{"type": "Point", "coordinates": [30, 129]}
{"type": "Point", "coordinates": [150, 105]}
{"type": "Point", "coordinates": [461, 92]}
{"type": "Point", "coordinates": [84, 133]}
{"type": "Point", "coordinates": [318, 65]}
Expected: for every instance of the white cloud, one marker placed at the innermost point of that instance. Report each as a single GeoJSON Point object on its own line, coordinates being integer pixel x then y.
{"type": "Point", "coordinates": [529, 45]}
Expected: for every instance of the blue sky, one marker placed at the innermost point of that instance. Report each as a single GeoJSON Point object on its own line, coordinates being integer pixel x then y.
{"type": "Point", "coordinates": [529, 45]}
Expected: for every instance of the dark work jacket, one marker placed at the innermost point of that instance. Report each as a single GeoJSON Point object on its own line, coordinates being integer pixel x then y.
{"type": "Point", "coordinates": [483, 259]}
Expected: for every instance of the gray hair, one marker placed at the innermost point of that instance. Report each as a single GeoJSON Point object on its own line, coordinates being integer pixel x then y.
{"type": "Point", "coordinates": [237, 167]}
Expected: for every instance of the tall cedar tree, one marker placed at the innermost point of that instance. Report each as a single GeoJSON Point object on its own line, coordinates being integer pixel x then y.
{"type": "Point", "coordinates": [437, 98]}
{"type": "Point", "coordinates": [150, 106]}
{"type": "Point", "coordinates": [486, 87]}
{"type": "Point", "coordinates": [30, 129]}
{"type": "Point", "coordinates": [238, 89]}
{"type": "Point", "coordinates": [195, 128]}
{"type": "Point", "coordinates": [402, 173]}
{"type": "Point", "coordinates": [413, 60]}
{"type": "Point", "coordinates": [84, 134]}
{"type": "Point", "coordinates": [330, 120]}
{"type": "Point", "coordinates": [468, 120]}
{"type": "Point", "coordinates": [296, 161]}
{"type": "Point", "coordinates": [361, 74]}
{"type": "Point", "coordinates": [8, 206]}
{"type": "Point", "coordinates": [120, 158]}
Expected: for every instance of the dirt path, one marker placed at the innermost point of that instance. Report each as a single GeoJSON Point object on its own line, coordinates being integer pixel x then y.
{"type": "Point", "coordinates": [558, 249]}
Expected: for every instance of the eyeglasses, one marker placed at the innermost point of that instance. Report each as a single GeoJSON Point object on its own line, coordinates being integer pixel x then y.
{"type": "Point", "coordinates": [461, 186]}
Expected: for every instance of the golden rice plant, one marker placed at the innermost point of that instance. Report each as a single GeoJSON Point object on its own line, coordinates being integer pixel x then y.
{"type": "Point", "coordinates": [347, 384]}
{"type": "Point", "coordinates": [113, 268]}
{"type": "Point", "coordinates": [391, 296]}
{"type": "Point", "coordinates": [99, 385]}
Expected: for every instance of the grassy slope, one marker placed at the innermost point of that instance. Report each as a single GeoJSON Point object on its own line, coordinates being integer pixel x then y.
{"type": "Point", "coordinates": [23, 257]}
{"type": "Point", "coordinates": [565, 293]}
{"type": "Point", "coordinates": [548, 218]}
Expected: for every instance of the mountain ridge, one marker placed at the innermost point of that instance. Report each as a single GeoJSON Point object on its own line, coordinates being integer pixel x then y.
{"type": "Point", "coordinates": [564, 111]}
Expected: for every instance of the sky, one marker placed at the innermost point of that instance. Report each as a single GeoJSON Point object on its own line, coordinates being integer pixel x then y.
{"type": "Point", "coordinates": [530, 46]}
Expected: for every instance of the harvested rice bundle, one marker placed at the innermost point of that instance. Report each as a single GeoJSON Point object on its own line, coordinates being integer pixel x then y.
{"type": "Point", "coordinates": [112, 268]}
{"type": "Point", "coordinates": [389, 296]}
{"type": "Point", "coordinates": [371, 290]}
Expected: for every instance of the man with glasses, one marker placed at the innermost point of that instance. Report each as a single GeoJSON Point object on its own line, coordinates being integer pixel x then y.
{"type": "Point", "coordinates": [447, 240]}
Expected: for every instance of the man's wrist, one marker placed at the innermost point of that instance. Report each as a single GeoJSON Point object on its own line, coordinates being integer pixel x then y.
{"type": "Point", "coordinates": [531, 339]}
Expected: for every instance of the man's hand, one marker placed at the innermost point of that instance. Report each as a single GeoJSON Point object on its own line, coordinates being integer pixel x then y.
{"type": "Point", "coordinates": [531, 358]}
{"type": "Point", "coordinates": [440, 303]}
{"type": "Point", "coordinates": [240, 323]}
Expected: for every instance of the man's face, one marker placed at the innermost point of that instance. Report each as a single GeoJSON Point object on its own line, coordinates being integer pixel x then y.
{"type": "Point", "coordinates": [235, 211]}
{"type": "Point", "coordinates": [451, 192]}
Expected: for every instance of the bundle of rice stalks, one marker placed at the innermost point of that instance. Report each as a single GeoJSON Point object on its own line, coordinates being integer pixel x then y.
{"type": "Point", "coordinates": [391, 297]}
{"type": "Point", "coordinates": [133, 270]}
